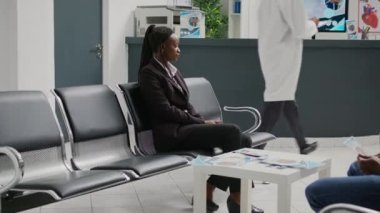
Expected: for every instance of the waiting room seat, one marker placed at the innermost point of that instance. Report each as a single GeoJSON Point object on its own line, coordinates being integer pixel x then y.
{"type": "Point", "coordinates": [205, 102]}
{"type": "Point", "coordinates": [98, 134]}
{"type": "Point", "coordinates": [142, 142]}
{"type": "Point", "coordinates": [346, 208]}
{"type": "Point", "coordinates": [202, 97]}
{"type": "Point", "coordinates": [28, 125]}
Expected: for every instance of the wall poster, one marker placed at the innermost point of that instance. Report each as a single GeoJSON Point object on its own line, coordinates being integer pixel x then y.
{"type": "Point", "coordinates": [368, 16]}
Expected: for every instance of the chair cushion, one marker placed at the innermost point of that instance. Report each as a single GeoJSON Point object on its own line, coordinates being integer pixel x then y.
{"type": "Point", "coordinates": [192, 153]}
{"type": "Point", "coordinates": [259, 138]}
{"type": "Point", "coordinates": [147, 165]}
{"type": "Point", "coordinates": [75, 183]}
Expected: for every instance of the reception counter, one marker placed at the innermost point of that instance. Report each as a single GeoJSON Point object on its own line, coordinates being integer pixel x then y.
{"type": "Point", "coordinates": [338, 92]}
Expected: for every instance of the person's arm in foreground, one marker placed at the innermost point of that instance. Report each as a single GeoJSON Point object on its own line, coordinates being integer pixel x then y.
{"type": "Point", "coordinates": [369, 164]}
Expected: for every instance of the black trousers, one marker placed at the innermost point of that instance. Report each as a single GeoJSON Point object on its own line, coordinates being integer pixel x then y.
{"type": "Point", "coordinates": [271, 114]}
{"type": "Point", "coordinates": [228, 137]}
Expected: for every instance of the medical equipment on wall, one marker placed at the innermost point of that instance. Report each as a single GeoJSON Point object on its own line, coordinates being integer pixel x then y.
{"type": "Point", "coordinates": [186, 22]}
{"type": "Point", "coordinates": [180, 3]}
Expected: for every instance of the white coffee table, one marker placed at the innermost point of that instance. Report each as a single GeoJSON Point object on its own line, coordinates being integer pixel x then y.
{"type": "Point", "coordinates": [257, 171]}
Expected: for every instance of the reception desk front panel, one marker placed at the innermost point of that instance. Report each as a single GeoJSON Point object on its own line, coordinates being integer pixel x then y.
{"type": "Point", "coordinates": [338, 91]}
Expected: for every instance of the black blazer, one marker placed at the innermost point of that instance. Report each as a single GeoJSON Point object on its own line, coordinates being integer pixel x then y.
{"type": "Point", "coordinates": [168, 105]}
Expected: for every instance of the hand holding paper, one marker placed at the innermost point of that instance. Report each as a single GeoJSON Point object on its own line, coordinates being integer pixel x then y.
{"type": "Point", "coordinates": [355, 146]}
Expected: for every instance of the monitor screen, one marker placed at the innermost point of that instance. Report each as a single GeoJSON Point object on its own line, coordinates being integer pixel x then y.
{"type": "Point", "coordinates": [332, 14]}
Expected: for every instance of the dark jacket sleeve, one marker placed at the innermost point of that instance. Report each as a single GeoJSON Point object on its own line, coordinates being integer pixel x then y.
{"type": "Point", "coordinates": [189, 107]}
{"type": "Point", "coordinates": [159, 104]}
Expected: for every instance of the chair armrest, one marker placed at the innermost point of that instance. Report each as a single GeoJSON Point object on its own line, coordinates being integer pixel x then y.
{"type": "Point", "coordinates": [344, 207]}
{"type": "Point", "coordinates": [254, 112]}
{"type": "Point", "coordinates": [18, 165]}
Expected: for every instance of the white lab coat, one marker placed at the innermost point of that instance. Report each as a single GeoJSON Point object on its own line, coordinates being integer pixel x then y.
{"type": "Point", "coordinates": [282, 26]}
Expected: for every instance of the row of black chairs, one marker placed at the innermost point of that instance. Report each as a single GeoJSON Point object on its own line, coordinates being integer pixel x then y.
{"type": "Point", "coordinates": [100, 155]}
{"type": "Point", "coordinates": [204, 101]}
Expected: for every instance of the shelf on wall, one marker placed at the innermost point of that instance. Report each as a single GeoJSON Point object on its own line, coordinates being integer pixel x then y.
{"type": "Point", "coordinates": [234, 21]}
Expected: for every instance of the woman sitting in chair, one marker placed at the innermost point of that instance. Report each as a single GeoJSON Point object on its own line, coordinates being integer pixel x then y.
{"type": "Point", "coordinates": [176, 125]}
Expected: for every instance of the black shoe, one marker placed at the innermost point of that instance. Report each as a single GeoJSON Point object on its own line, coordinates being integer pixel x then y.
{"type": "Point", "coordinates": [235, 208]}
{"type": "Point", "coordinates": [211, 206]}
{"type": "Point", "coordinates": [309, 148]}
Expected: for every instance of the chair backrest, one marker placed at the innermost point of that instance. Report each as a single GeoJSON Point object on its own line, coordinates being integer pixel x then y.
{"type": "Point", "coordinates": [202, 97]}
{"type": "Point", "coordinates": [28, 124]}
{"type": "Point", "coordinates": [136, 106]}
{"type": "Point", "coordinates": [143, 137]}
{"type": "Point", "coordinates": [95, 123]}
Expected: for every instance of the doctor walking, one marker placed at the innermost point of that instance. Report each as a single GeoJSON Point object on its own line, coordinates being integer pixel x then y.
{"type": "Point", "coordinates": [282, 26]}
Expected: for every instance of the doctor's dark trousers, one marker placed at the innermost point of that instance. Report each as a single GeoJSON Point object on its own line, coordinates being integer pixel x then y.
{"type": "Point", "coordinates": [271, 114]}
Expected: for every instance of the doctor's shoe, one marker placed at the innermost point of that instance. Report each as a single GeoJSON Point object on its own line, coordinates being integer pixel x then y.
{"type": "Point", "coordinates": [309, 148]}
{"type": "Point", "coordinates": [235, 208]}
{"type": "Point", "coordinates": [211, 206]}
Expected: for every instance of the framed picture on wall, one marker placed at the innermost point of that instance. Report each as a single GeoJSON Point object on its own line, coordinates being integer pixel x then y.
{"type": "Point", "coordinates": [332, 14]}
{"type": "Point", "coordinates": [368, 16]}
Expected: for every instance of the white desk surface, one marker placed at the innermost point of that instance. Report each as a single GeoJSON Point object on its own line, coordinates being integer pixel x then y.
{"type": "Point", "coordinates": [259, 171]}
{"type": "Point", "coordinates": [255, 170]}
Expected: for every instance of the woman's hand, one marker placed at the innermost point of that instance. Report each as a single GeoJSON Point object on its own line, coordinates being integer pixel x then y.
{"type": "Point", "coordinates": [213, 121]}
{"type": "Point", "coordinates": [369, 164]}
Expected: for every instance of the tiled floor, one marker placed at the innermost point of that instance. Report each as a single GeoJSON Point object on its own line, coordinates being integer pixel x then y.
{"type": "Point", "coordinates": [171, 192]}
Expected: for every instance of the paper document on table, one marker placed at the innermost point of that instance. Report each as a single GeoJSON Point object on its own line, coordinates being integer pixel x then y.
{"type": "Point", "coordinates": [200, 160]}
{"type": "Point", "coordinates": [283, 163]}
{"type": "Point", "coordinates": [230, 159]}
{"type": "Point", "coordinates": [354, 145]}
{"type": "Point", "coordinates": [251, 153]}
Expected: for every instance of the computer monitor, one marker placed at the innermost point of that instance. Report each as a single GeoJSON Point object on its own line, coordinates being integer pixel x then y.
{"type": "Point", "coordinates": [332, 14]}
